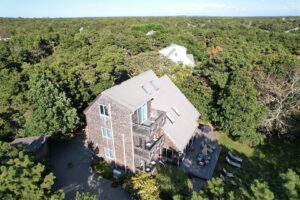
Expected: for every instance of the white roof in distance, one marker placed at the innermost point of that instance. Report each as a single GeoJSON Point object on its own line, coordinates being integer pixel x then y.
{"type": "Point", "coordinates": [178, 54]}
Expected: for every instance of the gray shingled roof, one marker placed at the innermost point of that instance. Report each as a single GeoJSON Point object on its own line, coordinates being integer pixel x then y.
{"type": "Point", "coordinates": [31, 143]}
{"type": "Point", "coordinates": [136, 91]}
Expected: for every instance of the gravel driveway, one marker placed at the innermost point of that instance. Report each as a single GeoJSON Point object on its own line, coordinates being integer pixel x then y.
{"type": "Point", "coordinates": [79, 177]}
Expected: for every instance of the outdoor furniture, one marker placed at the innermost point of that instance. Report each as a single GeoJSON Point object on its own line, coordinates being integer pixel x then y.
{"type": "Point", "coordinates": [222, 177]}
{"type": "Point", "coordinates": [210, 150]}
{"type": "Point", "coordinates": [211, 146]}
{"type": "Point", "coordinates": [233, 183]}
{"type": "Point", "coordinates": [204, 150]}
{"type": "Point", "coordinates": [235, 164]}
{"type": "Point", "coordinates": [235, 157]}
{"type": "Point", "coordinates": [228, 174]}
{"type": "Point", "coordinates": [202, 143]}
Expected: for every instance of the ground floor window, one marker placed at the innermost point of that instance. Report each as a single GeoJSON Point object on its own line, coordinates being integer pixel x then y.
{"type": "Point", "coordinates": [164, 152]}
{"type": "Point", "coordinates": [109, 153]}
{"type": "Point", "coordinates": [168, 153]}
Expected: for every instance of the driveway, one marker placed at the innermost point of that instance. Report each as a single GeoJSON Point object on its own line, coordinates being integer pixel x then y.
{"type": "Point", "coordinates": [79, 177]}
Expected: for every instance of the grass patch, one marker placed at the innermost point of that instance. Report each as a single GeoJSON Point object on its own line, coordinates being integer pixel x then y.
{"type": "Point", "coordinates": [102, 168]}
{"type": "Point", "coordinates": [264, 162]}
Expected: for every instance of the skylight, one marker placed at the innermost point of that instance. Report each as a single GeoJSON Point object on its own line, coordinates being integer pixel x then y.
{"type": "Point", "coordinates": [169, 116]}
{"type": "Point", "coordinates": [154, 86]}
{"type": "Point", "coordinates": [176, 111]}
{"type": "Point", "coordinates": [146, 90]}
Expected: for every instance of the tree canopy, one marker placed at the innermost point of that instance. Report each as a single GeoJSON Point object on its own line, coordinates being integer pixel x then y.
{"type": "Point", "coordinates": [22, 178]}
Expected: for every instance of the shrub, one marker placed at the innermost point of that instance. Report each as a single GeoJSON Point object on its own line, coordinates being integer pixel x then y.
{"type": "Point", "coordinates": [102, 168]}
{"type": "Point", "coordinates": [85, 196]}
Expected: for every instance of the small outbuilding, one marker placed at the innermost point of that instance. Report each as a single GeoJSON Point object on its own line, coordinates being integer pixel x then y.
{"type": "Point", "coordinates": [36, 144]}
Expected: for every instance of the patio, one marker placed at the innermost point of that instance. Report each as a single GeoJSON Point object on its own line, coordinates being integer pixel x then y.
{"type": "Point", "coordinates": [190, 162]}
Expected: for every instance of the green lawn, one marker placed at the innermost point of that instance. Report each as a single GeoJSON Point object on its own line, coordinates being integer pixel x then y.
{"type": "Point", "coordinates": [265, 162]}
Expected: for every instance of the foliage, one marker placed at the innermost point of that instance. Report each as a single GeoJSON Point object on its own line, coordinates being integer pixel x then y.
{"type": "Point", "coordinates": [85, 196]}
{"type": "Point", "coordinates": [260, 191]}
{"type": "Point", "coordinates": [240, 111]}
{"type": "Point", "coordinates": [173, 181]}
{"type": "Point", "coordinates": [52, 112]}
{"type": "Point", "coordinates": [81, 64]}
{"type": "Point", "coordinates": [101, 167]}
{"type": "Point", "coordinates": [22, 178]}
{"type": "Point", "coordinates": [264, 163]}
{"type": "Point", "coordinates": [291, 184]}
{"type": "Point", "coordinates": [144, 186]}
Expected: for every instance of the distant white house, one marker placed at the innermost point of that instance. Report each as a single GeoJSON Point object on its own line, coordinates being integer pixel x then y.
{"type": "Point", "coordinates": [81, 29]}
{"type": "Point", "coordinates": [178, 54]}
{"type": "Point", "coordinates": [150, 33]}
{"type": "Point", "coordinates": [4, 39]}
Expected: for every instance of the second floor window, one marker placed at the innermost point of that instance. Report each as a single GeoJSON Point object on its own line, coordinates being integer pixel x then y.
{"type": "Point", "coordinates": [106, 133]}
{"type": "Point", "coordinates": [104, 110]}
{"type": "Point", "coordinates": [143, 113]}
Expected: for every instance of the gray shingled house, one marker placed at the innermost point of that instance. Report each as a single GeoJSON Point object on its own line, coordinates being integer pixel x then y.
{"type": "Point", "coordinates": [141, 121]}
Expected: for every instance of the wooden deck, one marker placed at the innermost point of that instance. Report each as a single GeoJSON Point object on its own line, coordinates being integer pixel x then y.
{"type": "Point", "coordinates": [190, 165]}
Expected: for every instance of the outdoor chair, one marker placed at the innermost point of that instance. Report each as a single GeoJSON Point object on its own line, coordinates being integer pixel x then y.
{"type": "Point", "coordinates": [222, 177]}
{"type": "Point", "coordinates": [236, 158]}
{"type": "Point", "coordinates": [211, 146]}
{"type": "Point", "coordinates": [238, 165]}
{"type": "Point", "coordinates": [228, 174]}
{"type": "Point", "coordinates": [233, 183]}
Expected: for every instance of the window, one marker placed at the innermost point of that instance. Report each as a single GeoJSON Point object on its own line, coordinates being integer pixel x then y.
{"type": "Point", "coordinates": [143, 113]}
{"type": "Point", "coordinates": [104, 110]}
{"type": "Point", "coordinates": [176, 111]}
{"type": "Point", "coordinates": [109, 153]}
{"type": "Point", "coordinates": [106, 133]}
{"type": "Point", "coordinates": [169, 116]}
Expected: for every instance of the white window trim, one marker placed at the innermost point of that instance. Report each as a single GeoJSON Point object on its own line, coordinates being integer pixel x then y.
{"type": "Point", "coordinates": [103, 115]}
{"type": "Point", "coordinates": [105, 136]}
{"type": "Point", "coordinates": [108, 149]}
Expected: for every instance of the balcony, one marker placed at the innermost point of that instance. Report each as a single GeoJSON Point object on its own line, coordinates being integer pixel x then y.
{"type": "Point", "coordinates": [151, 149]}
{"type": "Point", "coordinates": [151, 125]}
{"type": "Point", "coordinates": [153, 143]}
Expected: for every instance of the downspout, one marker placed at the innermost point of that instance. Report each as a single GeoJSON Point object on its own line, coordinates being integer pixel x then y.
{"type": "Point", "coordinates": [112, 132]}
{"type": "Point", "coordinates": [124, 152]}
{"type": "Point", "coordinates": [130, 116]}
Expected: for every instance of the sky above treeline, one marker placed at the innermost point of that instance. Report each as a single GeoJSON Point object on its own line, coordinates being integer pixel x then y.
{"type": "Point", "coordinates": [108, 8]}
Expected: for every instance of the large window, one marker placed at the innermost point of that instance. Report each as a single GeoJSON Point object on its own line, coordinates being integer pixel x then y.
{"type": "Point", "coordinates": [104, 110]}
{"type": "Point", "coordinates": [109, 153]}
{"type": "Point", "coordinates": [106, 133]}
{"type": "Point", "coordinates": [143, 113]}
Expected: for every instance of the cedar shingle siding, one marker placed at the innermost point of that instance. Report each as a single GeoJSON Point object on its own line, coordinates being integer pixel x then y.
{"type": "Point", "coordinates": [119, 123]}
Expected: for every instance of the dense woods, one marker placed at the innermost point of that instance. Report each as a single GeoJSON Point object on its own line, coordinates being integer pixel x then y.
{"type": "Point", "coordinates": [246, 82]}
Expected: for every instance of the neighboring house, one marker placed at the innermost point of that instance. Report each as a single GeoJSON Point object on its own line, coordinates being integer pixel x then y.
{"type": "Point", "coordinates": [178, 54]}
{"type": "Point", "coordinates": [141, 121]}
{"type": "Point", "coordinates": [4, 39]}
{"type": "Point", "coordinates": [36, 144]}
{"type": "Point", "coordinates": [150, 33]}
